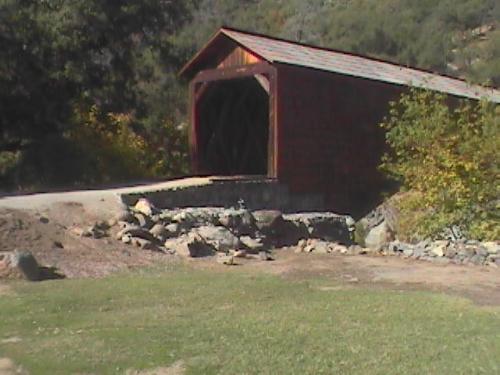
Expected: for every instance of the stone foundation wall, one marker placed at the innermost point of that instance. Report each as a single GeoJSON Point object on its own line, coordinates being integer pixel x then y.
{"type": "Point", "coordinates": [255, 194]}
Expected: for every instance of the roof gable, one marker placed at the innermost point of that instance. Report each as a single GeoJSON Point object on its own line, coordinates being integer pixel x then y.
{"type": "Point", "coordinates": [275, 50]}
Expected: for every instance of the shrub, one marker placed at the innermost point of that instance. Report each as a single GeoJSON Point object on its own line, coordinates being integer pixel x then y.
{"type": "Point", "coordinates": [445, 153]}
{"type": "Point", "coordinates": [101, 148]}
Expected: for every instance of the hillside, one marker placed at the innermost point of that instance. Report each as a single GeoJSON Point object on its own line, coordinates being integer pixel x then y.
{"type": "Point", "coordinates": [93, 97]}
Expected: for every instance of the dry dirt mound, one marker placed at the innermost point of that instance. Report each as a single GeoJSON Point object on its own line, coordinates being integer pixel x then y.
{"type": "Point", "coordinates": [51, 236]}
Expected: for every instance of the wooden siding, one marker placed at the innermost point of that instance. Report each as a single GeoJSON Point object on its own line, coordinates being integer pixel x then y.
{"type": "Point", "coordinates": [328, 137]}
{"type": "Point", "coordinates": [238, 57]}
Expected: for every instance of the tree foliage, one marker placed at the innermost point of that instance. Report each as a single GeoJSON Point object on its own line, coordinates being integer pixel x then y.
{"type": "Point", "coordinates": [61, 57]}
{"type": "Point", "coordinates": [447, 158]}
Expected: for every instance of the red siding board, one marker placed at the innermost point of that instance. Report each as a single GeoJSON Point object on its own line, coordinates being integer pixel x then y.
{"type": "Point", "coordinates": [330, 141]}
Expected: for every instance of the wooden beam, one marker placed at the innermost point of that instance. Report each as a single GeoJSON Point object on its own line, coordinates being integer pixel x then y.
{"type": "Point", "coordinates": [263, 80]}
{"type": "Point", "coordinates": [233, 72]}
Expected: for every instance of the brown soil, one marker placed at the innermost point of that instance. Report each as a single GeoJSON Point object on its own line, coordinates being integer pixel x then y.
{"type": "Point", "coordinates": [43, 231]}
{"type": "Point", "coordinates": [480, 284]}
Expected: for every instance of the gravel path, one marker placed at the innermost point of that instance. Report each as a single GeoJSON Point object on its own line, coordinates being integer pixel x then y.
{"type": "Point", "coordinates": [104, 203]}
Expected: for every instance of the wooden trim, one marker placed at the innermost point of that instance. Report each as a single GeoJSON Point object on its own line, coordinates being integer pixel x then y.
{"type": "Point", "coordinates": [233, 72]}
{"type": "Point", "coordinates": [198, 86]}
{"type": "Point", "coordinates": [193, 129]}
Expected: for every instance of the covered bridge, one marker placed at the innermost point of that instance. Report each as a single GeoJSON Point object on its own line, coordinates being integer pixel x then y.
{"type": "Point", "coordinates": [304, 116]}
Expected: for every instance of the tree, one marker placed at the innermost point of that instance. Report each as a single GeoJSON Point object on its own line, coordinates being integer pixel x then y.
{"type": "Point", "coordinates": [60, 58]}
{"type": "Point", "coordinates": [447, 159]}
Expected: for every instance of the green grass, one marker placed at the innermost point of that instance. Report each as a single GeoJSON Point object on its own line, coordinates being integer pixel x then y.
{"type": "Point", "coordinates": [240, 323]}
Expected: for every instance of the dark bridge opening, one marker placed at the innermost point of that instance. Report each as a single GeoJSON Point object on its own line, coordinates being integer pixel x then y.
{"type": "Point", "coordinates": [233, 127]}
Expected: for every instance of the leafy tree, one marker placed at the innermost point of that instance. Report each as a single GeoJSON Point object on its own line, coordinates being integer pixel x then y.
{"type": "Point", "coordinates": [447, 158]}
{"type": "Point", "coordinates": [58, 55]}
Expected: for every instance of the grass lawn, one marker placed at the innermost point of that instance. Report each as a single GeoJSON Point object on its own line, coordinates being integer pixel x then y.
{"type": "Point", "coordinates": [242, 323]}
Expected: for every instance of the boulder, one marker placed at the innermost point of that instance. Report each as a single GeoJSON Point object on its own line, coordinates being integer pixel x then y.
{"type": "Point", "coordinates": [144, 221]}
{"type": "Point", "coordinates": [144, 207]}
{"type": "Point", "coordinates": [478, 259]}
{"type": "Point", "coordinates": [239, 253]}
{"type": "Point", "coordinates": [145, 244]}
{"type": "Point", "coordinates": [159, 232]}
{"type": "Point", "coordinates": [277, 231]}
{"type": "Point", "coordinates": [438, 248]}
{"type": "Point", "coordinates": [492, 247]}
{"type": "Point", "coordinates": [379, 237]}
{"type": "Point", "coordinates": [20, 263]}
{"type": "Point", "coordinates": [218, 237]}
{"type": "Point", "coordinates": [253, 245]}
{"type": "Point", "coordinates": [97, 231]}
{"type": "Point", "coordinates": [326, 226]}
{"type": "Point", "coordinates": [189, 245]}
{"type": "Point", "coordinates": [135, 231]}
{"type": "Point", "coordinates": [240, 222]}
{"type": "Point", "coordinates": [318, 247]}
{"type": "Point", "coordinates": [268, 220]}
{"type": "Point", "coordinates": [172, 229]}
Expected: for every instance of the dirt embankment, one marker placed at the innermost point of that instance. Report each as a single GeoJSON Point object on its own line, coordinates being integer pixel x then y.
{"type": "Point", "coordinates": [51, 235]}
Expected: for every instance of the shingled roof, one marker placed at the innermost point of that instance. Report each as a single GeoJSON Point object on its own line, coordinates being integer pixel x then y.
{"type": "Point", "coordinates": [275, 50]}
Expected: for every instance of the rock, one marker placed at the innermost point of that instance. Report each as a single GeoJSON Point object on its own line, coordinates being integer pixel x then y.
{"type": "Point", "coordinates": [253, 245]}
{"type": "Point", "coordinates": [240, 254]}
{"type": "Point", "coordinates": [267, 220]}
{"type": "Point", "coordinates": [492, 247]}
{"type": "Point", "coordinates": [125, 216]}
{"type": "Point", "coordinates": [379, 237]}
{"type": "Point", "coordinates": [482, 251]}
{"type": "Point", "coordinates": [302, 243]}
{"type": "Point", "coordinates": [240, 222]}
{"type": "Point", "coordinates": [22, 263]}
{"type": "Point", "coordinates": [144, 221]}
{"type": "Point", "coordinates": [44, 219]}
{"type": "Point", "coordinates": [87, 233]}
{"type": "Point", "coordinates": [184, 217]}
{"type": "Point", "coordinates": [277, 231]}
{"type": "Point", "coordinates": [189, 245]}
{"type": "Point", "coordinates": [97, 231]}
{"type": "Point", "coordinates": [386, 212]}
{"type": "Point", "coordinates": [58, 245]}
{"type": "Point", "coordinates": [144, 207]}
{"type": "Point", "coordinates": [219, 238]}
{"type": "Point", "coordinates": [172, 229]}
{"type": "Point", "coordinates": [159, 231]}
{"type": "Point", "coordinates": [319, 247]}
{"type": "Point", "coordinates": [77, 231]}
{"type": "Point", "coordinates": [419, 251]}
{"type": "Point", "coordinates": [357, 250]}
{"type": "Point", "coordinates": [135, 231]}
{"type": "Point", "coordinates": [325, 226]}
{"type": "Point", "coordinates": [228, 260]}
{"type": "Point", "coordinates": [478, 260]}
{"type": "Point", "coordinates": [126, 239]}
{"type": "Point", "coordinates": [338, 248]}
{"type": "Point", "coordinates": [265, 256]}
{"type": "Point", "coordinates": [408, 252]}
{"type": "Point", "coordinates": [451, 251]}
{"type": "Point", "coordinates": [308, 248]}
{"type": "Point", "coordinates": [438, 248]}
{"type": "Point", "coordinates": [145, 244]}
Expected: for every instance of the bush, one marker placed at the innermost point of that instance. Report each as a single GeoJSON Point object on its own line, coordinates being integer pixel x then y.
{"type": "Point", "coordinates": [100, 149]}
{"type": "Point", "coordinates": [445, 154]}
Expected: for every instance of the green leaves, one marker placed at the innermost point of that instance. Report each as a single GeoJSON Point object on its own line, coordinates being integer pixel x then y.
{"type": "Point", "coordinates": [448, 158]}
